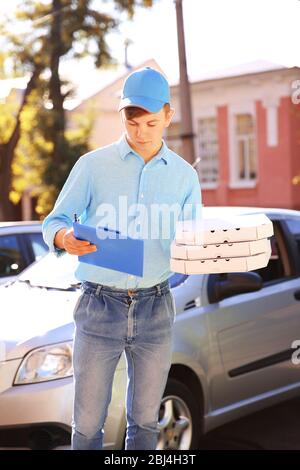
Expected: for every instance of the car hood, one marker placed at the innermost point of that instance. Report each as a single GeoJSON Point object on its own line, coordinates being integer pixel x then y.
{"type": "Point", "coordinates": [31, 317]}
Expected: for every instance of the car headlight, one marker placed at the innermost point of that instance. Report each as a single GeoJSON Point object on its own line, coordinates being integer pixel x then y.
{"type": "Point", "coordinates": [46, 363]}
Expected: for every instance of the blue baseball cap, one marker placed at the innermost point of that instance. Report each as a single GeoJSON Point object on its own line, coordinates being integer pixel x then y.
{"type": "Point", "coordinates": [145, 88]}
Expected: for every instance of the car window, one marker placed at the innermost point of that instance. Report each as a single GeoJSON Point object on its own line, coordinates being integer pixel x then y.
{"type": "Point", "coordinates": [278, 267]}
{"type": "Point", "coordinates": [294, 227]}
{"type": "Point", "coordinates": [38, 245]}
{"type": "Point", "coordinates": [277, 270]}
{"type": "Point", "coordinates": [11, 259]}
{"type": "Point", "coordinates": [176, 279]}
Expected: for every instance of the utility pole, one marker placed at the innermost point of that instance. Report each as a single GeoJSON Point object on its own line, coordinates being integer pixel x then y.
{"type": "Point", "coordinates": [127, 43]}
{"type": "Point", "coordinates": [187, 134]}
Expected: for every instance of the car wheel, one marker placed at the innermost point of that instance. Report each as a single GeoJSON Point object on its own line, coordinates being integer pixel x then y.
{"type": "Point", "coordinates": [179, 418]}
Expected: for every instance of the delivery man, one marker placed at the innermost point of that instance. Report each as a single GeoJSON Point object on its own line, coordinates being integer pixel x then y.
{"type": "Point", "coordinates": [118, 312]}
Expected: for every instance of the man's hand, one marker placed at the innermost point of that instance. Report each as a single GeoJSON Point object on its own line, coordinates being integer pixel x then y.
{"type": "Point", "coordinates": [65, 239]}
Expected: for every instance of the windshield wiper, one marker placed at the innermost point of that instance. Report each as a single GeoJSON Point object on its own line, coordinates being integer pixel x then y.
{"type": "Point", "coordinates": [25, 281]}
{"type": "Point", "coordinates": [71, 287]}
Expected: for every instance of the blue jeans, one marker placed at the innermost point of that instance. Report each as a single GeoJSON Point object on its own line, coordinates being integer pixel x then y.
{"type": "Point", "coordinates": [109, 321]}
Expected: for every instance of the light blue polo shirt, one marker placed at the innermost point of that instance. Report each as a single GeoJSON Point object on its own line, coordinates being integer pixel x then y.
{"type": "Point", "coordinates": [113, 177]}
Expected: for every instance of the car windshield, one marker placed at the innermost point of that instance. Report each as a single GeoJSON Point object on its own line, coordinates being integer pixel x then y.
{"type": "Point", "coordinates": [58, 272]}
{"type": "Point", "coordinates": [52, 271]}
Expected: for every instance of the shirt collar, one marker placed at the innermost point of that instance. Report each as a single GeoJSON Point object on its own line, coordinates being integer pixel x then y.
{"type": "Point", "coordinates": [125, 149]}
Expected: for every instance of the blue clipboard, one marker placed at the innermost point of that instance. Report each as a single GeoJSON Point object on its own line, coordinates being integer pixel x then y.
{"type": "Point", "coordinates": [118, 253]}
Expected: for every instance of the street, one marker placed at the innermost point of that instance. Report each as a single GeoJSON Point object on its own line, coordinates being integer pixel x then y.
{"type": "Point", "coordinates": [276, 428]}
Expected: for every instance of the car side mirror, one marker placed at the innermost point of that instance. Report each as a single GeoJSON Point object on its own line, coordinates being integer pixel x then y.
{"type": "Point", "coordinates": [227, 285]}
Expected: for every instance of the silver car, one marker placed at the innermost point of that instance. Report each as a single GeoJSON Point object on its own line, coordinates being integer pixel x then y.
{"type": "Point", "coordinates": [234, 351]}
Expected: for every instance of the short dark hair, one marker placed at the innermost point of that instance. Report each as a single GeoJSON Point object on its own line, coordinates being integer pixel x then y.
{"type": "Point", "coordinates": [132, 112]}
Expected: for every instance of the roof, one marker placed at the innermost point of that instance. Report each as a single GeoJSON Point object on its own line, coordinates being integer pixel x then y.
{"type": "Point", "coordinates": [227, 211]}
{"type": "Point", "coordinates": [257, 66]}
{"type": "Point", "coordinates": [21, 223]}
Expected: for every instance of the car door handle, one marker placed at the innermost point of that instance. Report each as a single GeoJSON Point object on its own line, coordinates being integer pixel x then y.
{"type": "Point", "coordinates": [297, 294]}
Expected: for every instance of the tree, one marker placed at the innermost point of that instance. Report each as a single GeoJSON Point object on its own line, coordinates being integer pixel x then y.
{"type": "Point", "coordinates": [59, 30]}
{"type": "Point", "coordinates": [8, 148]}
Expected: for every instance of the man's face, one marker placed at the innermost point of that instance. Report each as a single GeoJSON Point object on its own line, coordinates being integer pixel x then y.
{"type": "Point", "coordinates": [144, 133]}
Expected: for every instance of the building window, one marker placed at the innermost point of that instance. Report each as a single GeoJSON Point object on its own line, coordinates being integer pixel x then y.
{"type": "Point", "coordinates": [208, 150]}
{"type": "Point", "coordinates": [245, 147]}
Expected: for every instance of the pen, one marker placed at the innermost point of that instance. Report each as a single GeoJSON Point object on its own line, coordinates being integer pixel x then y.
{"type": "Point", "coordinates": [75, 218]}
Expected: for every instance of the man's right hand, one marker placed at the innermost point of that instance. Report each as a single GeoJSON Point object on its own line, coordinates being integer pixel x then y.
{"type": "Point", "coordinates": [65, 239]}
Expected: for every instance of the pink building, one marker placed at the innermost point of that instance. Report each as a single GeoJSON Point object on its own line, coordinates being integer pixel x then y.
{"type": "Point", "coordinates": [247, 134]}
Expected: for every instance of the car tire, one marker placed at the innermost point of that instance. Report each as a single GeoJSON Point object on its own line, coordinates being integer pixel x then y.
{"type": "Point", "coordinates": [179, 418]}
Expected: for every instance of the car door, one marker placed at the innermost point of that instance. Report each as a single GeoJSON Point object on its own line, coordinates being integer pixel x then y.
{"type": "Point", "coordinates": [255, 331]}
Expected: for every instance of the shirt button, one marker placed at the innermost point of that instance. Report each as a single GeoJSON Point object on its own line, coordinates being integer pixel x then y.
{"type": "Point", "coordinates": [142, 195]}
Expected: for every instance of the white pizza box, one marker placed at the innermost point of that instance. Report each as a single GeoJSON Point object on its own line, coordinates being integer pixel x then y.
{"type": "Point", "coordinates": [220, 265]}
{"type": "Point", "coordinates": [223, 230]}
{"type": "Point", "coordinates": [221, 250]}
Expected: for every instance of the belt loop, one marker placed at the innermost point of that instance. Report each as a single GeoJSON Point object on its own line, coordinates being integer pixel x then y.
{"type": "Point", "coordinates": [98, 290]}
{"type": "Point", "coordinates": [158, 289]}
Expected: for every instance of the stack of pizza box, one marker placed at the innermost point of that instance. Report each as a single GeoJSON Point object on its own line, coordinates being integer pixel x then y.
{"type": "Point", "coordinates": [222, 245]}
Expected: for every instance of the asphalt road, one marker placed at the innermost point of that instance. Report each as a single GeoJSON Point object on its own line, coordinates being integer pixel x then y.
{"type": "Point", "coordinates": [276, 428]}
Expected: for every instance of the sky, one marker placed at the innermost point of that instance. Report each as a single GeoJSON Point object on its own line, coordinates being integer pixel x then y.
{"type": "Point", "coordinates": [218, 34]}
